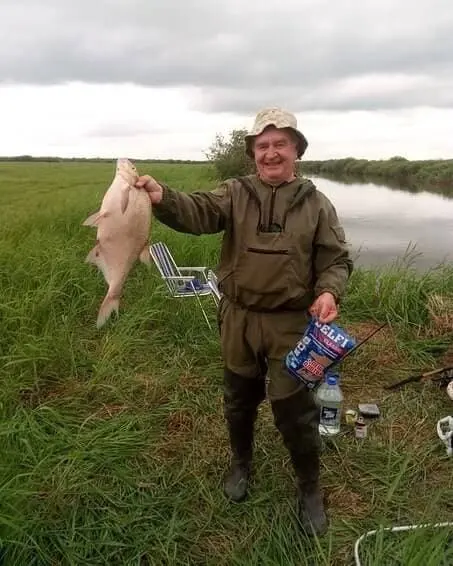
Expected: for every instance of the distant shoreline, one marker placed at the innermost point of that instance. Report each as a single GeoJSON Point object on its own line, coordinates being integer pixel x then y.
{"type": "Point", "coordinates": [56, 159]}
{"type": "Point", "coordinates": [416, 175]}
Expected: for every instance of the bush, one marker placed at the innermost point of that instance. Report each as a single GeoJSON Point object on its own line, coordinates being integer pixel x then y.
{"type": "Point", "coordinates": [228, 156]}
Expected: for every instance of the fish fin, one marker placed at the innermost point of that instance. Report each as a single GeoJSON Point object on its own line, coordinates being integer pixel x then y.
{"type": "Point", "coordinates": [94, 218]}
{"type": "Point", "coordinates": [95, 258]}
{"type": "Point", "coordinates": [125, 199]}
{"type": "Point", "coordinates": [94, 255]}
{"type": "Point", "coordinates": [145, 256]}
{"type": "Point", "coordinates": [108, 306]}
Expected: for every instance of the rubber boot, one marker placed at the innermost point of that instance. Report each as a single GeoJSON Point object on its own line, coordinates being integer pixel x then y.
{"type": "Point", "coordinates": [310, 506]}
{"type": "Point", "coordinates": [241, 399]}
{"type": "Point", "coordinates": [297, 419]}
{"type": "Point", "coordinates": [237, 480]}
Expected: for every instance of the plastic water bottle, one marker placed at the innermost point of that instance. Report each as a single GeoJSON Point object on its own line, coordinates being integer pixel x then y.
{"type": "Point", "coordinates": [330, 400]}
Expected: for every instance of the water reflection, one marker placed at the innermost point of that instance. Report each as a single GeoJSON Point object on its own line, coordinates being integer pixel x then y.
{"type": "Point", "coordinates": [381, 222]}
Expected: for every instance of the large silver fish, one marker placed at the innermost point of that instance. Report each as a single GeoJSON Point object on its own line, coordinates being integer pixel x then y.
{"type": "Point", "coordinates": [123, 223]}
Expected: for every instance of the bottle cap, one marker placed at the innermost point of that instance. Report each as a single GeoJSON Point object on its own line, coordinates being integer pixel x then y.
{"type": "Point", "coordinates": [332, 380]}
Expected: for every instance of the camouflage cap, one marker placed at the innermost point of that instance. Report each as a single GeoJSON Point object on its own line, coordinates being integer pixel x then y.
{"type": "Point", "coordinates": [279, 118]}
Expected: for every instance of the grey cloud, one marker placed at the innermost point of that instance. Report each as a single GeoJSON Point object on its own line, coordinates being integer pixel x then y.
{"type": "Point", "coordinates": [325, 96]}
{"type": "Point", "coordinates": [239, 56]}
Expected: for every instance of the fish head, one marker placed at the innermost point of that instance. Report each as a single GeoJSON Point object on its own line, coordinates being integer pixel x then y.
{"type": "Point", "coordinates": [127, 170]}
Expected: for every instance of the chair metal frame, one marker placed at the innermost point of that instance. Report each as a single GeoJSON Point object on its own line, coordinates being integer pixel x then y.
{"type": "Point", "coordinates": [178, 281]}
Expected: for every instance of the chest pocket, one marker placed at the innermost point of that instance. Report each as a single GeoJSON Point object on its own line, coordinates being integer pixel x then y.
{"type": "Point", "coordinates": [267, 273]}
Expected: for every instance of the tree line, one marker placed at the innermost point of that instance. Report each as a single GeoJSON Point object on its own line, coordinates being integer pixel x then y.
{"type": "Point", "coordinates": [227, 157]}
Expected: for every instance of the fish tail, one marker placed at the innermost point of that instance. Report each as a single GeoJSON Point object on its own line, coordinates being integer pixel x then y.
{"type": "Point", "coordinates": [108, 306]}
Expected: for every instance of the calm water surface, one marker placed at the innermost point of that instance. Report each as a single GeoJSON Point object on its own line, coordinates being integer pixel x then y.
{"type": "Point", "coordinates": [381, 223]}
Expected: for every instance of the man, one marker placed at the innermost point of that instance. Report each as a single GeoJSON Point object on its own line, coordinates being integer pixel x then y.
{"type": "Point", "coordinates": [283, 257]}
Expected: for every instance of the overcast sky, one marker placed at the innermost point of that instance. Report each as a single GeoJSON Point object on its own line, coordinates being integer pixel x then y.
{"type": "Point", "coordinates": [159, 78]}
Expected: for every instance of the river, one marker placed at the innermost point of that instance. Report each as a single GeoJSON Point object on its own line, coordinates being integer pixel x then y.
{"type": "Point", "coordinates": [382, 223]}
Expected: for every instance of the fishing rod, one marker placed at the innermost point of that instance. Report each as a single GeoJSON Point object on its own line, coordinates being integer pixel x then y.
{"type": "Point", "coordinates": [355, 348]}
{"type": "Point", "coordinates": [442, 375]}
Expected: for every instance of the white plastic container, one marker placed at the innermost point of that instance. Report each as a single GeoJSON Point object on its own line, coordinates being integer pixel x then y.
{"type": "Point", "coordinates": [329, 398]}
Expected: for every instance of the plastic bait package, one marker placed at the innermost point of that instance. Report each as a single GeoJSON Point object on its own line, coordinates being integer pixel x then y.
{"type": "Point", "coordinates": [320, 346]}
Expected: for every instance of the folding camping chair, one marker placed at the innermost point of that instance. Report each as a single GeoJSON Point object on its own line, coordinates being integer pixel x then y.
{"type": "Point", "coordinates": [181, 281]}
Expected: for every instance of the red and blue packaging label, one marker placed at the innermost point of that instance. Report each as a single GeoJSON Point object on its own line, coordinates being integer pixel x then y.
{"type": "Point", "coordinates": [320, 346]}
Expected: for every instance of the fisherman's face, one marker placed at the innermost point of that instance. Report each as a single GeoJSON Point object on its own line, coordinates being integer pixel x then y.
{"type": "Point", "coordinates": [275, 155]}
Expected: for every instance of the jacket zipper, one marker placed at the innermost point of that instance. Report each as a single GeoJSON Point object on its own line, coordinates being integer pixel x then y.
{"type": "Point", "coordinates": [252, 191]}
{"type": "Point", "coordinates": [271, 209]}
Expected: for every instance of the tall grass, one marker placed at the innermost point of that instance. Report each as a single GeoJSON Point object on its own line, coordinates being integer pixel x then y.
{"type": "Point", "coordinates": [113, 442]}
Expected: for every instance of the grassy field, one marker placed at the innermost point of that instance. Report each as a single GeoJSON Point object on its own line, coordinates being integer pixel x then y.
{"type": "Point", "coordinates": [113, 442]}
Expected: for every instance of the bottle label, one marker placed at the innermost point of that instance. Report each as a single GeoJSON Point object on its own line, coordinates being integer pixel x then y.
{"type": "Point", "coordinates": [328, 415]}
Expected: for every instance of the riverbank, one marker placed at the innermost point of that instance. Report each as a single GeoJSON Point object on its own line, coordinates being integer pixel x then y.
{"type": "Point", "coordinates": [114, 445]}
{"type": "Point", "coordinates": [435, 175]}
